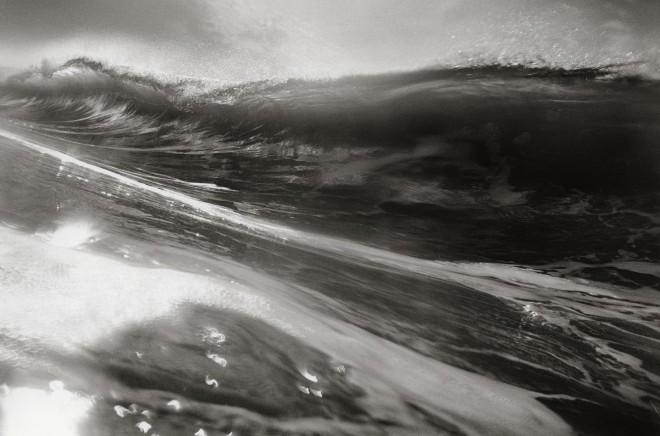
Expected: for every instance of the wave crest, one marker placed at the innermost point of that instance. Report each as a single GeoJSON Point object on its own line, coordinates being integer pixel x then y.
{"type": "Point", "coordinates": [85, 76]}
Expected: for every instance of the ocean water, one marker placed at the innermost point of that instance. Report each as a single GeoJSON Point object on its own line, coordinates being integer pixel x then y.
{"type": "Point", "coordinates": [466, 251]}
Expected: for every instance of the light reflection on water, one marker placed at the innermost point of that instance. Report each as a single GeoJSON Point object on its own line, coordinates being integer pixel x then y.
{"type": "Point", "coordinates": [72, 234]}
{"type": "Point", "coordinates": [34, 412]}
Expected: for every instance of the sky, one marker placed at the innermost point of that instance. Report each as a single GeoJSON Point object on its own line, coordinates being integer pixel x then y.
{"type": "Point", "coordinates": [239, 40]}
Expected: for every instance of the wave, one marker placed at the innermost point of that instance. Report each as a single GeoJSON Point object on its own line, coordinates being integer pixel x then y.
{"type": "Point", "coordinates": [84, 77]}
{"type": "Point", "coordinates": [444, 222]}
{"type": "Point", "coordinates": [505, 148]}
{"type": "Point", "coordinates": [491, 115]}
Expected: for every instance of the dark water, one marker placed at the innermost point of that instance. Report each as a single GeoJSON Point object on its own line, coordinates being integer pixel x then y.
{"type": "Point", "coordinates": [438, 252]}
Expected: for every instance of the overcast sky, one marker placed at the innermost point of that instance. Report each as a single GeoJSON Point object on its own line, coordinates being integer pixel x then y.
{"type": "Point", "coordinates": [253, 39]}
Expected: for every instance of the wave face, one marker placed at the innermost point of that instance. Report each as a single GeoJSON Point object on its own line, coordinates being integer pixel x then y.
{"type": "Point", "coordinates": [463, 251]}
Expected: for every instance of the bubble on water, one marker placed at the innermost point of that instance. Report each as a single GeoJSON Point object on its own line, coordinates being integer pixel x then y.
{"type": "Point", "coordinates": [211, 382]}
{"type": "Point", "coordinates": [143, 426]}
{"type": "Point", "coordinates": [217, 359]}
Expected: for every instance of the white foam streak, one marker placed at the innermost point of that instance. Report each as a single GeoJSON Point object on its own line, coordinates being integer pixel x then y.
{"type": "Point", "coordinates": [200, 206]}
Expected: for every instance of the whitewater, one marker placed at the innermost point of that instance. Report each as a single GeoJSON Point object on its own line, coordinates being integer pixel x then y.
{"type": "Point", "coordinates": [455, 251]}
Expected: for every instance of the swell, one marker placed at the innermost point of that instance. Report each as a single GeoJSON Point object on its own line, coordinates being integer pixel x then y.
{"type": "Point", "coordinates": [523, 121]}
{"type": "Point", "coordinates": [83, 77]}
{"type": "Point", "coordinates": [275, 105]}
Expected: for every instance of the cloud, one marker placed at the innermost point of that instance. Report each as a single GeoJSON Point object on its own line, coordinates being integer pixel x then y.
{"type": "Point", "coordinates": [28, 22]}
{"type": "Point", "coordinates": [223, 38]}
